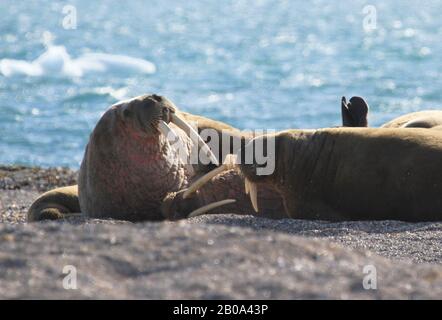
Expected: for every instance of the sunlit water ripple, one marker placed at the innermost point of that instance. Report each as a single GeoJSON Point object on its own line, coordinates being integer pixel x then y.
{"type": "Point", "coordinates": [253, 64]}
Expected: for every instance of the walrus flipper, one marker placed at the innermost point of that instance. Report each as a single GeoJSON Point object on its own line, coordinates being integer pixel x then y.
{"type": "Point", "coordinates": [426, 122]}
{"type": "Point", "coordinates": [355, 112]}
{"type": "Point", "coordinates": [55, 204]}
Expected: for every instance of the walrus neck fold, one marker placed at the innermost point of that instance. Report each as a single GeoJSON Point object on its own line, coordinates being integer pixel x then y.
{"type": "Point", "coordinates": [308, 156]}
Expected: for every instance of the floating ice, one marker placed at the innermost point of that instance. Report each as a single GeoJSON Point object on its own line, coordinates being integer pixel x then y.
{"type": "Point", "coordinates": [56, 61]}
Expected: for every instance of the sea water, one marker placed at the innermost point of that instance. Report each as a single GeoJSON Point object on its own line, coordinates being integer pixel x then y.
{"type": "Point", "coordinates": [253, 64]}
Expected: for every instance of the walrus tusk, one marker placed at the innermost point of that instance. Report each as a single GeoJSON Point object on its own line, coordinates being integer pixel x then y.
{"type": "Point", "coordinates": [209, 207]}
{"type": "Point", "coordinates": [190, 131]}
{"type": "Point", "coordinates": [167, 131]}
{"type": "Point", "coordinates": [227, 165]}
{"type": "Point", "coordinates": [253, 192]}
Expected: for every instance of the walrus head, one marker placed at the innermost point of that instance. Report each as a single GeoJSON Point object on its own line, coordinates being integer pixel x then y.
{"type": "Point", "coordinates": [149, 115]}
{"type": "Point", "coordinates": [130, 162]}
{"type": "Point", "coordinates": [146, 115]}
{"type": "Point", "coordinates": [355, 112]}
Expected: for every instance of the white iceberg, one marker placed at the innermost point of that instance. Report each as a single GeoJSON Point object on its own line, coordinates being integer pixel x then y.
{"type": "Point", "coordinates": [56, 61]}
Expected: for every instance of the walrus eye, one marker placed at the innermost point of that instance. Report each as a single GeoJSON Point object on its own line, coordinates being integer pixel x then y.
{"type": "Point", "coordinates": [166, 115]}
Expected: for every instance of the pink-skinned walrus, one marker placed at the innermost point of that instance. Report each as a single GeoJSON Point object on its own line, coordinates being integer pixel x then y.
{"type": "Point", "coordinates": [131, 164]}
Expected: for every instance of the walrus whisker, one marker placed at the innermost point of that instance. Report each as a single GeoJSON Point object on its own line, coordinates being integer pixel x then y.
{"type": "Point", "coordinates": [210, 206]}
{"type": "Point", "coordinates": [190, 131]}
{"type": "Point", "coordinates": [167, 131]}
{"type": "Point", "coordinates": [227, 165]}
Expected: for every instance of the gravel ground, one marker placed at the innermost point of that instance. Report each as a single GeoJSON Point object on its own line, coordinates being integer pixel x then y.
{"type": "Point", "coordinates": [213, 256]}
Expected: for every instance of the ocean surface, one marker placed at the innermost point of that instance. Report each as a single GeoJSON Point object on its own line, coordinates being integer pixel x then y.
{"type": "Point", "coordinates": [253, 64]}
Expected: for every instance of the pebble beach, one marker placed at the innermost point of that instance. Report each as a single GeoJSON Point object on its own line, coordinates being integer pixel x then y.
{"type": "Point", "coordinates": [207, 257]}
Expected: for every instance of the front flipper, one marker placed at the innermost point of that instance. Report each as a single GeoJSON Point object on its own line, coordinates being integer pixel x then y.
{"type": "Point", "coordinates": [55, 204]}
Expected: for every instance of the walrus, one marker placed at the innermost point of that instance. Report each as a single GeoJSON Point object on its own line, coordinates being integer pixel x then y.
{"type": "Point", "coordinates": [118, 132]}
{"type": "Point", "coordinates": [348, 174]}
{"type": "Point", "coordinates": [129, 165]}
{"type": "Point", "coordinates": [228, 184]}
{"type": "Point", "coordinates": [430, 119]}
{"type": "Point", "coordinates": [55, 204]}
{"type": "Point", "coordinates": [355, 114]}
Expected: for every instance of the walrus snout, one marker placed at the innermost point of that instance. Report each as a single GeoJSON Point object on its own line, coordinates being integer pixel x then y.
{"type": "Point", "coordinates": [145, 112]}
{"type": "Point", "coordinates": [174, 207]}
{"type": "Point", "coordinates": [151, 115]}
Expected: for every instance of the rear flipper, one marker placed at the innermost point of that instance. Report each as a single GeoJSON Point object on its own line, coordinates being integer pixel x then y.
{"type": "Point", "coordinates": [427, 122]}
{"type": "Point", "coordinates": [55, 204]}
{"type": "Point", "coordinates": [355, 112]}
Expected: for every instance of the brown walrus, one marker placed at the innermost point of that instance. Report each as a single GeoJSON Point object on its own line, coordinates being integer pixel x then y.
{"type": "Point", "coordinates": [351, 174]}
{"type": "Point", "coordinates": [355, 114]}
{"type": "Point", "coordinates": [229, 184]}
{"type": "Point", "coordinates": [132, 168]}
{"type": "Point", "coordinates": [55, 204]}
{"type": "Point", "coordinates": [430, 119]}
{"type": "Point", "coordinates": [129, 165]}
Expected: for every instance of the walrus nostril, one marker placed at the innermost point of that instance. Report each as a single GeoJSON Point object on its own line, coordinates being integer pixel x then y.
{"type": "Point", "coordinates": [127, 113]}
{"type": "Point", "coordinates": [149, 103]}
{"type": "Point", "coordinates": [157, 98]}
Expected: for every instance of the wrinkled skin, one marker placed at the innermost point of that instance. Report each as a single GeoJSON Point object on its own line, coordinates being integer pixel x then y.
{"type": "Point", "coordinates": [390, 174]}
{"type": "Point", "coordinates": [230, 185]}
{"type": "Point", "coordinates": [131, 172]}
{"type": "Point", "coordinates": [129, 167]}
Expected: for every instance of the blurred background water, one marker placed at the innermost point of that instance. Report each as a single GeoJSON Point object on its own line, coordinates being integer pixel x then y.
{"type": "Point", "coordinates": [254, 64]}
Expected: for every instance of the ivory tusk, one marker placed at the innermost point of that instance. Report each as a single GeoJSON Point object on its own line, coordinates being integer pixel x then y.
{"type": "Point", "coordinates": [228, 164]}
{"type": "Point", "coordinates": [191, 132]}
{"type": "Point", "coordinates": [209, 207]}
{"type": "Point", "coordinates": [167, 131]}
{"type": "Point", "coordinates": [253, 191]}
